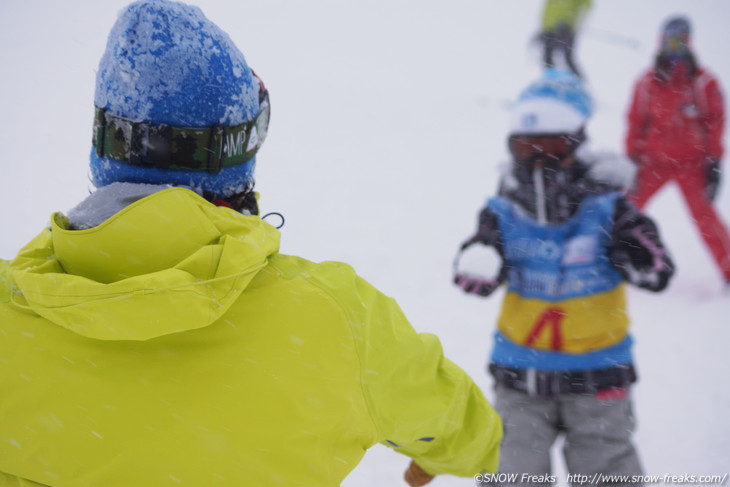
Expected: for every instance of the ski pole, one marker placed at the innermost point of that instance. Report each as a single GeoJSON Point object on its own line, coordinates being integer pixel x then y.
{"type": "Point", "coordinates": [612, 37]}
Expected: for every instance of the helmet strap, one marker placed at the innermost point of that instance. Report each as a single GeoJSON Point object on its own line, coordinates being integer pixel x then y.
{"type": "Point", "coordinates": [183, 148]}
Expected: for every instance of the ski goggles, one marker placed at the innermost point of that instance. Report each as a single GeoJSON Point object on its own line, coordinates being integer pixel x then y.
{"type": "Point", "coordinates": [676, 43]}
{"type": "Point", "coordinates": [548, 148]}
{"type": "Point", "coordinates": [675, 46]}
{"type": "Point", "coordinates": [184, 148]}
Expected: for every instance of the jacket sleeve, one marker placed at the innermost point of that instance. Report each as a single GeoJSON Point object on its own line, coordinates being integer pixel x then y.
{"type": "Point", "coordinates": [713, 116]}
{"type": "Point", "coordinates": [421, 403]}
{"type": "Point", "coordinates": [4, 282]}
{"type": "Point", "coordinates": [7, 480]}
{"type": "Point", "coordinates": [638, 120]}
{"type": "Point", "coordinates": [636, 249]}
{"type": "Point", "coordinates": [479, 266]}
{"type": "Point", "coordinates": [487, 231]}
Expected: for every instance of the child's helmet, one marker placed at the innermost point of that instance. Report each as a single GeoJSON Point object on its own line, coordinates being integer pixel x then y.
{"type": "Point", "coordinates": [557, 103]}
{"type": "Point", "coordinates": [548, 120]}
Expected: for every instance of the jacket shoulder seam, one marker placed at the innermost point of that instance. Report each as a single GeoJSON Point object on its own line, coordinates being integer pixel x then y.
{"type": "Point", "coordinates": [314, 281]}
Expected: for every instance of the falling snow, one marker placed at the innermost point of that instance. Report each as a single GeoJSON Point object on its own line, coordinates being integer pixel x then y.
{"type": "Point", "coordinates": [387, 132]}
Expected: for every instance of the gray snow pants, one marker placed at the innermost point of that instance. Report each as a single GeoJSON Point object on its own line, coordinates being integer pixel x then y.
{"type": "Point", "coordinates": [597, 436]}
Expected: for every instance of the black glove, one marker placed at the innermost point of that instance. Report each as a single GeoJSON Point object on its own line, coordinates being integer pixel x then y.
{"type": "Point", "coordinates": [479, 269]}
{"type": "Point", "coordinates": [635, 159]}
{"type": "Point", "coordinates": [477, 285]}
{"type": "Point", "coordinates": [712, 179]}
{"type": "Point", "coordinates": [640, 258]}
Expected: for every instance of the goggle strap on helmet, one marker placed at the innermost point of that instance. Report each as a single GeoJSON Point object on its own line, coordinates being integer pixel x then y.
{"type": "Point", "coordinates": [182, 148]}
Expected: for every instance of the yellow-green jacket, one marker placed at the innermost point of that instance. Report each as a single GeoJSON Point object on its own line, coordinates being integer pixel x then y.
{"type": "Point", "coordinates": [567, 12]}
{"type": "Point", "coordinates": [173, 345]}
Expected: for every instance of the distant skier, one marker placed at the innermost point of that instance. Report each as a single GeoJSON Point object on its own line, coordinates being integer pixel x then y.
{"type": "Point", "coordinates": [564, 239]}
{"type": "Point", "coordinates": [675, 128]}
{"type": "Point", "coordinates": [559, 25]}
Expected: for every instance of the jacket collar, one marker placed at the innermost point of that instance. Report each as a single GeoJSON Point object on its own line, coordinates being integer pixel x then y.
{"type": "Point", "coordinates": [167, 263]}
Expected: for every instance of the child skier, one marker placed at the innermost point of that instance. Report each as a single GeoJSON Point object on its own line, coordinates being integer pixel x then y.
{"type": "Point", "coordinates": [564, 239]}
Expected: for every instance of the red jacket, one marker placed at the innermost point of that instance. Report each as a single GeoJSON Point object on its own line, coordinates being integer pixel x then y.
{"type": "Point", "coordinates": [679, 119]}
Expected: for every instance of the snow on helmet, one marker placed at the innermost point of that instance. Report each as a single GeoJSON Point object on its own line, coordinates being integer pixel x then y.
{"type": "Point", "coordinates": [557, 103]}
{"type": "Point", "coordinates": [176, 103]}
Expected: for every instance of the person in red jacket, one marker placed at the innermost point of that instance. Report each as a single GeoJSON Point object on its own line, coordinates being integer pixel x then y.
{"type": "Point", "coordinates": [675, 128]}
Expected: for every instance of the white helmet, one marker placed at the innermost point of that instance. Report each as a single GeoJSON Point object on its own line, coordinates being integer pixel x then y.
{"type": "Point", "coordinates": [557, 103]}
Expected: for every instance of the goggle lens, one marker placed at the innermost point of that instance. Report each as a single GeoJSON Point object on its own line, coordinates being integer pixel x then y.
{"type": "Point", "coordinates": [528, 148]}
{"type": "Point", "coordinates": [675, 48]}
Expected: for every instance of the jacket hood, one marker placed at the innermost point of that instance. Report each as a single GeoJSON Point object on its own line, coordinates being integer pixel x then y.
{"type": "Point", "coordinates": [168, 263]}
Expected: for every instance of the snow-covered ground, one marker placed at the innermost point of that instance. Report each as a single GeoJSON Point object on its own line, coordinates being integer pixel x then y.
{"type": "Point", "coordinates": [388, 126]}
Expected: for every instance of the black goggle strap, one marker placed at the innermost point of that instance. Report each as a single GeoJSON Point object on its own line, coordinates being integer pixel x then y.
{"type": "Point", "coordinates": [183, 148]}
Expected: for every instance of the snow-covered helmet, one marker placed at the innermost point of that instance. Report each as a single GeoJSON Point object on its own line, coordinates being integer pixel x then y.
{"type": "Point", "coordinates": [176, 103]}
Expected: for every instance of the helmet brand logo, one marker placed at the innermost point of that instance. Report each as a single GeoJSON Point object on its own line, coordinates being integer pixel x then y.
{"type": "Point", "coordinates": [233, 145]}
{"type": "Point", "coordinates": [529, 120]}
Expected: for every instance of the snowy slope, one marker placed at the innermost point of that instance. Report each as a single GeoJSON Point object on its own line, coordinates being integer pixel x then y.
{"type": "Point", "coordinates": [388, 126]}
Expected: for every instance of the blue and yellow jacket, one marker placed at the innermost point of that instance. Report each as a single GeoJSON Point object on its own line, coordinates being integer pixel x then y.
{"type": "Point", "coordinates": [173, 345]}
{"type": "Point", "coordinates": [565, 307]}
{"type": "Point", "coordinates": [565, 263]}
